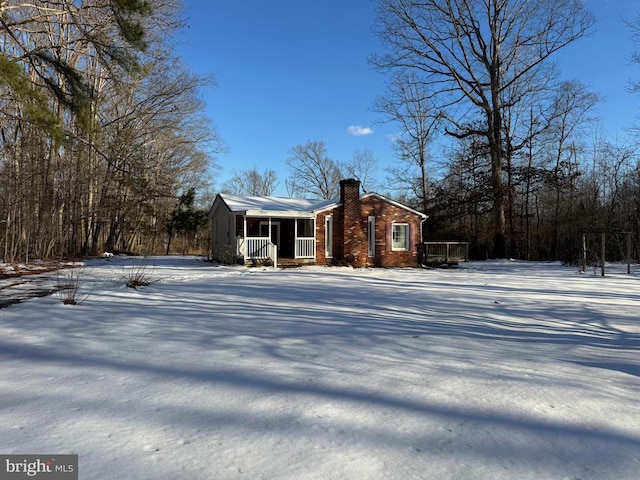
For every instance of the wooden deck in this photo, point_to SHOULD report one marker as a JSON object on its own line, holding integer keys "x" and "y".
{"x": 437, "y": 254}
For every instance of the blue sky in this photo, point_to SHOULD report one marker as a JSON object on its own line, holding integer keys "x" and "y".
{"x": 290, "y": 71}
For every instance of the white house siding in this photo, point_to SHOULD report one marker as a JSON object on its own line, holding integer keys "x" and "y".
{"x": 222, "y": 223}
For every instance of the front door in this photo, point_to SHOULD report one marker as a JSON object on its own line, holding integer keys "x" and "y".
{"x": 275, "y": 232}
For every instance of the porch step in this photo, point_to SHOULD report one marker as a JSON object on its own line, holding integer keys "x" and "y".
{"x": 290, "y": 263}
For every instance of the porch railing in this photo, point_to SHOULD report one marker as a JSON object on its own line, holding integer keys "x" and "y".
{"x": 445, "y": 252}
{"x": 257, "y": 248}
{"x": 305, "y": 247}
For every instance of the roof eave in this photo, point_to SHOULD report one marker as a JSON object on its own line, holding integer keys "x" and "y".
{"x": 397, "y": 204}
{"x": 277, "y": 213}
{"x": 327, "y": 207}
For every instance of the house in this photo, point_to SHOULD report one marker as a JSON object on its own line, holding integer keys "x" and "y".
{"x": 358, "y": 230}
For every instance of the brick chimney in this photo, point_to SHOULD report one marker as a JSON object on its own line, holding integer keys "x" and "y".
{"x": 349, "y": 191}
{"x": 354, "y": 238}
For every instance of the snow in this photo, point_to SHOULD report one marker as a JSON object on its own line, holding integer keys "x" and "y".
{"x": 495, "y": 370}
{"x": 237, "y": 203}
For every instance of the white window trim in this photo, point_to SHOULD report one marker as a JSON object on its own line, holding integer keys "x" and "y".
{"x": 328, "y": 236}
{"x": 406, "y": 240}
{"x": 371, "y": 236}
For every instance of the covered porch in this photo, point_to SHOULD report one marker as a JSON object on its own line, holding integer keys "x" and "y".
{"x": 275, "y": 238}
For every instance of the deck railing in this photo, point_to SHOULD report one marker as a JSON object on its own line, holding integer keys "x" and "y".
{"x": 445, "y": 252}
{"x": 305, "y": 247}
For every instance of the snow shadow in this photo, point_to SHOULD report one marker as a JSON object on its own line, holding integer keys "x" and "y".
{"x": 399, "y": 363}
{"x": 627, "y": 368}
{"x": 469, "y": 434}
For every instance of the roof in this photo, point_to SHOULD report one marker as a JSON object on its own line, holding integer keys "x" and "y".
{"x": 290, "y": 207}
{"x": 334, "y": 203}
{"x": 274, "y": 206}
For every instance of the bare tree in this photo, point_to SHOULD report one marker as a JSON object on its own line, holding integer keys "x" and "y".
{"x": 94, "y": 153}
{"x": 51, "y": 54}
{"x": 154, "y": 145}
{"x": 470, "y": 53}
{"x": 52, "y": 40}
{"x": 363, "y": 167}
{"x": 634, "y": 27}
{"x": 407, "y": 103}
{"x": 312, "y": 171}
{"x": 571, "y": 106}
{"x": 252, "y": 182}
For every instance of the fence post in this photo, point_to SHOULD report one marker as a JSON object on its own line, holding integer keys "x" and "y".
{"x": 603, "y": 250}
{"x": 628, "y": 253}
{"x": 583, "y": 259}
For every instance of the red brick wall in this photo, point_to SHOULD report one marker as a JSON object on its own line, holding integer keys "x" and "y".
{"x": 350, "y": 224}
{"x": 386, "y": 214}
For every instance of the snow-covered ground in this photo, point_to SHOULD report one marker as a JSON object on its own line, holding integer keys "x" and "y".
{"x": 495, "y": 370}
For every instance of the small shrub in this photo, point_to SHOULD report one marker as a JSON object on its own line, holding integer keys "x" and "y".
{"x": 267, "y": 262}
{"x": 68, "y": 284}
{"x": 137, "y": 276}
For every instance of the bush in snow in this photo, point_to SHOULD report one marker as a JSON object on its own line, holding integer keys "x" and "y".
{"x": 68, "y": 284}
{"x": 139, "y": 275}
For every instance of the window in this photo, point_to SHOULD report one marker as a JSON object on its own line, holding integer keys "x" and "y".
{"x": 305, "y": 227}
{"x": 400, "y": 236}
{"x": 328, "y": 236}
{"x": 371, "y": 232}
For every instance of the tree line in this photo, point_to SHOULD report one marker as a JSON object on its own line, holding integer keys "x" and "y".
{"x": 104, "y": 145}
{"x": 527, "y": 174}
{"x": 524, "y": 172}
{"x": 102, "y": 133}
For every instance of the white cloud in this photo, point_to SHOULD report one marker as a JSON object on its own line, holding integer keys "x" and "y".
{"x": 358, "y": 131}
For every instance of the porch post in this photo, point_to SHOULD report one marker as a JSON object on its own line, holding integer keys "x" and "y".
{"x": 275, "y": 253}
{"x": 295, "y": 238}
{"x": 244, "y": 236}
